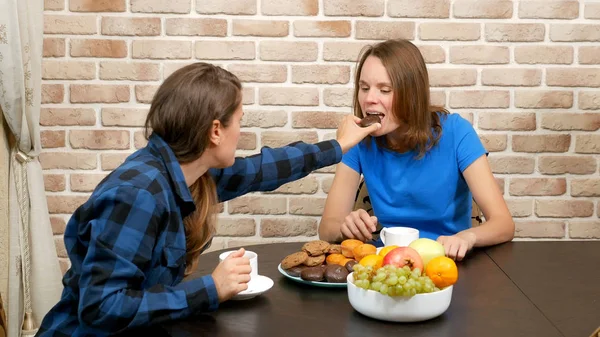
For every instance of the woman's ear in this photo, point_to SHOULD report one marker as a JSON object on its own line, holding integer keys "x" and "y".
{"x": 216, "y": 132}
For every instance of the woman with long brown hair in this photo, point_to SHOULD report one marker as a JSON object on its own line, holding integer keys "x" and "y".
{"x": 143, "y": 227}
{"x": 423, "y": 166}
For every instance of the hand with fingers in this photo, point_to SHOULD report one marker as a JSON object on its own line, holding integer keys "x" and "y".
{"x": 458, "y": 245}
{"x": 359, "y": 225}
{"x": 350, "y": 133}
{"x": 232, "y": 275}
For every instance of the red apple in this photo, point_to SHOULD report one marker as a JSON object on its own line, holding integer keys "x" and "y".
{"x": 404, "y": 256}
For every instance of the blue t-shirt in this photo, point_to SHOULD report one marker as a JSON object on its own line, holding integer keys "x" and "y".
{"x": 430, "y": 193}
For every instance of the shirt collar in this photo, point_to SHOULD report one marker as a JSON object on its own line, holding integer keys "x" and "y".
{"x": 156, "y": 143}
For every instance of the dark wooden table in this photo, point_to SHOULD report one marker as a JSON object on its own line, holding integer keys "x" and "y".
{"x": 562, "y": 279}
{"x": 517, "y": 289}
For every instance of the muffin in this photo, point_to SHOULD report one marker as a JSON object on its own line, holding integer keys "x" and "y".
{"x": 363, "y": 250}
{"x": 348, "y": 246}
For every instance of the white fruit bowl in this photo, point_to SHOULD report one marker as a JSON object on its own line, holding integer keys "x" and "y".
{"x": 416, "y": 308}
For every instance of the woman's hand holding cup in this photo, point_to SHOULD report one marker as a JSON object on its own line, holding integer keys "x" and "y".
{"x": 231, "y": 276}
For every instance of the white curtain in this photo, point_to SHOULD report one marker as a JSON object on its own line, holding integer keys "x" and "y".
{"x": 34, "y": 280}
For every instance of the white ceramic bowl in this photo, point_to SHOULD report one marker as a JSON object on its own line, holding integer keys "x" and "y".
{"x": 419, "y": 307}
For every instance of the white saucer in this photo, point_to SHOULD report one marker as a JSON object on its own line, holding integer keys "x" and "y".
{"x": 259, "y": 285}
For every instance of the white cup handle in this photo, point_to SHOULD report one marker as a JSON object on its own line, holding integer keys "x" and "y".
{"x": 382, "y": 236}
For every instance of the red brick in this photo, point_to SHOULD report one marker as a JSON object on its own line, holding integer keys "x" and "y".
{"x": 97, "y": 5}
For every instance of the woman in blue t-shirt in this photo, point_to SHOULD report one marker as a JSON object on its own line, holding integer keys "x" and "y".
{"x": 423, "y": 166}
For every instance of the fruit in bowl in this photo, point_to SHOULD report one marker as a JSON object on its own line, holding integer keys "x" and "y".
{"x": 419, "y": 307}
{"x": 427, "y": 249}
{"x": 400, "y": 290}
{"x": 403, "y": 256}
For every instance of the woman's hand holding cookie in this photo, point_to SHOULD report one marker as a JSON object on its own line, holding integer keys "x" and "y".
{"x": 232, "y": 275}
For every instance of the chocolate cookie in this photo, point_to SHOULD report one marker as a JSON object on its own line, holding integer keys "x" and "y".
{"x": 295, "y": 271}
{"x": 335, "y": 249}
{"x": 350, "y": 265}
{"x": 294, "y": 259}
{"x": 369, "y": 120}
{"x": 312, "y": 261}
{"x": 335, "y": 274}
{"x": 316, "y": 248}
{"x": 312, "y": 274}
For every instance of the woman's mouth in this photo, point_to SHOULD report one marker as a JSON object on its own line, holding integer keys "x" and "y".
{"x": 375, "y": 113}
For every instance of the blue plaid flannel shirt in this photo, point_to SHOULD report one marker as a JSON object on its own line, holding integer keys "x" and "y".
{"x": 127, "y": 245}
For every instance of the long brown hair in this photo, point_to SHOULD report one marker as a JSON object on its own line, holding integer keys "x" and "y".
{"x": 182, "y": 112}
{"x": 410, "y": 84}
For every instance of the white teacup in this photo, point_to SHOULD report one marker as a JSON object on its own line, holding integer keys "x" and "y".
{"x": 399, "y": 236}
{"x": 253, "y": 262}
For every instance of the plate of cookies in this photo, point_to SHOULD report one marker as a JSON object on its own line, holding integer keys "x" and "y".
{"x": 323, "y": 264}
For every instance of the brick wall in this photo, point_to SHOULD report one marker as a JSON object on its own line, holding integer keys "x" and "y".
{"x": 526, "y": 73}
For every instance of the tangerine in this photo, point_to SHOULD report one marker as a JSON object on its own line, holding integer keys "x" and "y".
{"x": 387, "y": 249}
{"x": 374, "y": 260}
{"x": 442, "y": 271}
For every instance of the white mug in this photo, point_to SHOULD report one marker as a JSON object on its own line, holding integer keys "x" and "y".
{"x": 398, "y": 236}
{"x": 253, "y": 262}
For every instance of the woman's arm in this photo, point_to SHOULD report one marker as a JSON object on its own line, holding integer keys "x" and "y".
{"x": 339, "y": 203}
{"x": 499, "y": 226}
{"x": 274, "y": 167}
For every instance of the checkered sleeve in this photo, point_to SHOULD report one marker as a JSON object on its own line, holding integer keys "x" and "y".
{"x": 123, "y": 236}
{"x": 274, "y": 167}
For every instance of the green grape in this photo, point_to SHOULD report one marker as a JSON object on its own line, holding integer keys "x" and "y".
{"x": 413, "y": 292}
{"x": 384, "y": 289}
{"x": 358, "y": 268}
{"x": 419, "y": 287}
{"x": 376, "y": 286}
{"x": 391, "y": 291}
{"x": 366, "y": 284}
{"x": 406, "y": 269}
{"x": 399, "y": 289}
{"x": 402, "y": 279}
{"x": 380, "y": 276}
{"x": 392, "y": 280}
{"x": 363, "y": 276}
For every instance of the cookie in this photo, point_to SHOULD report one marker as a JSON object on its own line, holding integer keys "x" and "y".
{"x": 335, "y": 249}
{"x": 369, "y": 120}
{"x": 294, "y": 259}
{"x": 316, "y": 248}
{"x": 312, "y": 274}
{"x": 295, "y": 271}
{"x": 312, "y": 261}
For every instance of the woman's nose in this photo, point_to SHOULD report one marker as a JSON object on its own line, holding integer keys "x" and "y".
{"x": 371, "y": 96}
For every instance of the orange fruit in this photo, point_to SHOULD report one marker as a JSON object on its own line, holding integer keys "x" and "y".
{"x": 374, "y": 260}
{"x": 363, "y": 250}
{"x": 442, "y": 271}
{"x": 386, "y": 250}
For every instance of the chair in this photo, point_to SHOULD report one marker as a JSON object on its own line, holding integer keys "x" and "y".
{"x": 362, "y": 201}
{"x": 3, "y": 324}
